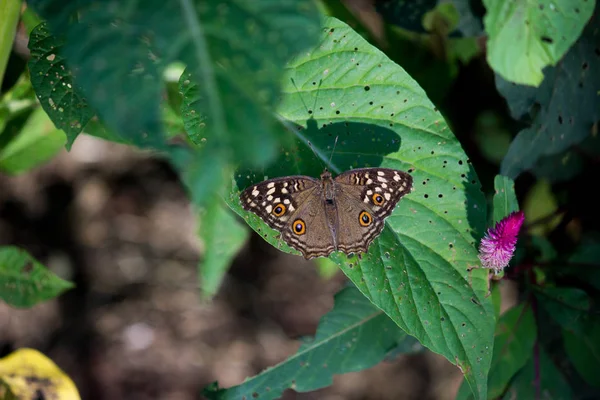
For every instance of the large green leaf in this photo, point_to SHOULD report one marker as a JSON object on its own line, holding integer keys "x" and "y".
{"x": 527, "y": 36}
{"x": 53, "y": 83}
{"x": 223, "y": 236}
{"x": 418, "y": 270}
{"x": 505, "y": 199}
{"x": 119, "y": 50}
{"x": 515, "y": 337}
{"x": 563, "y": 110}
{"x": 25, "y": 282}
{"x": 353, "y": 336}
{"x": 540, "y": 376}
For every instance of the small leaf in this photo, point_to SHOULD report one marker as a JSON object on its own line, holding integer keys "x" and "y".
{"x": 540, "y": 376}
{"x": 569, "y": 307}
{"x": 417, "y": 270}
{"x": 25, "y": 282}
{"x": 37, "y": 142}
{"x": 527, "y": 36}
{"x": 505, "y": 199}
{"x": 353, "y": 336}
{"x": 584, "y": 351}
{"x": 223, "y": 236}
{"x": 54, "y": 84}
{"x": 28, "y": 374}
{"x": 515, "y": 337}
{"x": 557, "y": 122}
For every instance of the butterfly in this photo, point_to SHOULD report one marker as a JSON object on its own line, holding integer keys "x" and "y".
{"x": 317, "y": 217}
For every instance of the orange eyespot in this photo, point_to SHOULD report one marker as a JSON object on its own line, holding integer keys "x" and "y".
{"x": 298, "y": 227}
{"x": 279, "y": 210}
{"x": 377, "y": 199}
{"x": 365, "y": 218}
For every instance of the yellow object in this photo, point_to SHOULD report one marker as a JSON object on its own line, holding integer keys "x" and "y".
{"x": 28, "y": 374}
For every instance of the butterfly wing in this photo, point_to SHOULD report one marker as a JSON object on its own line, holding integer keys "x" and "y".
{"x": 288, "y": 193}
{"x": 365, "y": 197}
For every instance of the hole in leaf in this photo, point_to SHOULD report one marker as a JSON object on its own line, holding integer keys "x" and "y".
{"x": 367, "y": 88}
{"x": 547, "y": 39}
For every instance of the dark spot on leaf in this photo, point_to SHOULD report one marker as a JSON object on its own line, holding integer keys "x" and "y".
{"x": 367, "y": 88}
{"x": 577, "y": 10}
{"x": 475, "y": 301}
{"x": 337, "y": 112}
{"x": 255, "y": 395}
{"x": 547, "y": 39}
{"x": 426, "y": 196}
{"x": 370, "y": 103}
{"x": 410, "y": 170}
{"x": 560, "y": 120}
{"x": 442, "y": 319}
{"x": 27, "y": 268}
{"x": 460, "y": 162}
{"x": 356, "y": 49}
{"x": 440, "y": 195}
{"x": 331, "y": 30}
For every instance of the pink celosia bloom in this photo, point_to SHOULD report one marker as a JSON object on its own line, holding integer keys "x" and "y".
{"x": 498, "y": 245}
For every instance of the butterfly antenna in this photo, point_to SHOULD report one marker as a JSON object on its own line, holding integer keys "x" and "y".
{"x": 334, "y": 144}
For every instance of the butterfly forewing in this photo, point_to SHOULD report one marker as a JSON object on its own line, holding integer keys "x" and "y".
{"x": 379, "y": 188}
{"x": 275, "y": 200}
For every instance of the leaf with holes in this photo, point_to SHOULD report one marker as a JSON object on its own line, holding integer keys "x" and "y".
{"x": 557, "y": 121}
{"x": 25, "y": 282}
{"x": 119, "y": 51}
{"x": 505, "y": 199}
{"x": 515, "y": 337}
{"x": 527, "y": 36}
{"x": 419, "y": 269}
{"x": 353, "y": 336}
{"x": 53, "y": 83}
{"x": 540, "y": 373}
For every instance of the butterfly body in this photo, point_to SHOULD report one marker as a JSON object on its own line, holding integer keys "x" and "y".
{"x": 320, "y": 216}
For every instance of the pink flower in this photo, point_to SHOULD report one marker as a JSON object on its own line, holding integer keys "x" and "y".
{"x": 498, "y": 245}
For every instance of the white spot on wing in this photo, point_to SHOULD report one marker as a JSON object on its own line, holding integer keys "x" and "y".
{"x": 380, "y": 179}
{"x": 269, "y": 208}
{"x": 255, "y": 193}
{"x": 378, "y": 189}
{"x": 291, "y": 208}
{"x": 387, "y": 196}
{"x": 270, "y": 185}
{"x": 284, "y": 191}
{"x": 380, "y": 173}
{"x": 277, "y": 200}
{"x": 269, "y": 197}
{"x": 369, "y": 192}
{"x": 397, "y": 177}
{"x": 369, "y": 181}
{"x": 271, "y": 191}
{"x": 366, "y": 200}
{"x": 383, "y": 185}
{"x": 286, "y": 201}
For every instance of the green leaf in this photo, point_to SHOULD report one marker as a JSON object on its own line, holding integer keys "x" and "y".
{"x": 527, "y": 36}
{"x": 353, "y": 336}
{"x": 54, "y": 85}
{"x": 559, "y": 167}
{"x": 37, "y": 142}
{"x": 557, "y": 121}
{"x": 584, "y": 351}
{"x": 237, "y": 49}
{"x": 25, "y": 282}
{"x": 223, "y": 236}
{"x": 569, "y": 307}
{"x": 515, "y": 337}
{"x": 543, "y": 373}
{"x": 417, "y": 270}
{"x": 505, "y": 199}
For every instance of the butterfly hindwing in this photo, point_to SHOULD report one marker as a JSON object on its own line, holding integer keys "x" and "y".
{"x": 276, "y": 200}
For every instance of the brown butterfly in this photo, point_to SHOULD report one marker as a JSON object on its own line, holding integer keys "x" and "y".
{"x": 318, "y": 217}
